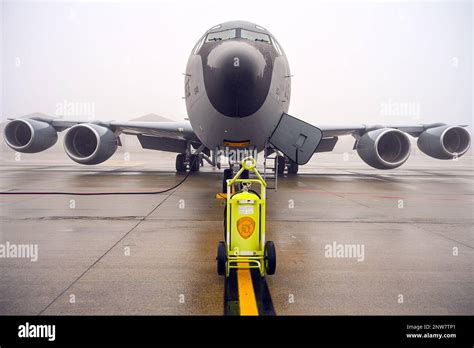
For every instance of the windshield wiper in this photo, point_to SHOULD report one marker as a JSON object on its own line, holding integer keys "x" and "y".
{"x": 215, "y": 39}
{"x": 262, "y": 40}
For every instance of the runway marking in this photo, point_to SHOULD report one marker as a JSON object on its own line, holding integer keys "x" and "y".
{"x": 246, "y": 293}
{"x": 248, "y": 303}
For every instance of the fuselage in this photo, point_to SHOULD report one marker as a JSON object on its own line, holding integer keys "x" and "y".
{"x": 237, "y": 86}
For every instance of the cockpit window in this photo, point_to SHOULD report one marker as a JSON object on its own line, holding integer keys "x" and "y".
{"x": 199, "y": 44}
{"x": 277, "y": 46}
{"x": 221, "y": 35}
{"x": 254, "y": 36}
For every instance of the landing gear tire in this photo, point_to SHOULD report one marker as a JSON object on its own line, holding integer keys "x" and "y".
{"x": 293, "y": 168}
{"x": 270, "y": 258}
{"x": 281, "y": 164}
{"x": 221, "y": 258}
{"x": 227, "y": 175}
{"x": 194, "y": 163}
{"x": 180, "y": 165}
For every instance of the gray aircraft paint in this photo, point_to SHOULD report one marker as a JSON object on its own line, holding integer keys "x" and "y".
{"x": 212, "y": 127}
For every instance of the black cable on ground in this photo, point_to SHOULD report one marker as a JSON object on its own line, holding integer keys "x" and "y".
{"x": 100, "y": 193}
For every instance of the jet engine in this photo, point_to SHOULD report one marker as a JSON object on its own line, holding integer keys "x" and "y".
{"x": 384, "y": 148}
{"x": 29, "y": 136}
{"x": 444, "y": 142}
{"x": 88, "y": 143}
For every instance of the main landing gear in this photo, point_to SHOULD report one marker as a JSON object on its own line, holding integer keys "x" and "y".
{"x": 284, "y": 163}
{"x": 194, "y": 162}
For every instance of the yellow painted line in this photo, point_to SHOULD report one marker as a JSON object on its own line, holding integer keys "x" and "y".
{"x": 247, "y": 301}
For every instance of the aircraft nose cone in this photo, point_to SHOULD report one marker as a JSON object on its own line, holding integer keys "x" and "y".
{"x": 237, "y": 77}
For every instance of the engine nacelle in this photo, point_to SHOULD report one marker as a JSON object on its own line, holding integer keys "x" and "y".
{"x": 29, "y": 136}
{"x": 88, "y": 143}
{"x": 384, "y": 148}
{"x": 445, "y": 142}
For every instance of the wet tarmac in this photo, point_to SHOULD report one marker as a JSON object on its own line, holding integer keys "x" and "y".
{"x": 350, "y": 239}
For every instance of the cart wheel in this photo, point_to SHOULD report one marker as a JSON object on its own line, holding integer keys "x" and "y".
{"x": 270, "y": 257}
{"x": 221, "y": 258}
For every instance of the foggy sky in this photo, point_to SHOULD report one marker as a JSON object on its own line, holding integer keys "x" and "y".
{"x": 363, "y": 62}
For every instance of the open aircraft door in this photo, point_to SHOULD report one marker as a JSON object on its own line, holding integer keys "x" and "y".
{"x": 296, "y": 139}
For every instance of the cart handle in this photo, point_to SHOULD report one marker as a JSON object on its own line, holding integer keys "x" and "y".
{"x": 249, "y": 163}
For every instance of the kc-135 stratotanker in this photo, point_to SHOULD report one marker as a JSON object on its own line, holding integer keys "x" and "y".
{"x": 237, "y": 92}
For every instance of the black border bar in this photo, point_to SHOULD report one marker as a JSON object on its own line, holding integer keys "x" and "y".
{"x": 194, "y": 330}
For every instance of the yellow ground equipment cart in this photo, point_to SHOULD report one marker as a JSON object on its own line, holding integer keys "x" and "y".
{"x": 245, "y": 245}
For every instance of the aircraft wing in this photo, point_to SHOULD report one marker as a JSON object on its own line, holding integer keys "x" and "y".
{"x": 381, "y": 146}
{"x": 299, "y": 140}
{"x": 93, "y": 142}
{"x": 359, "y": 129}
{"x": 172, "y": 130}
{"x": 163, "y": 136}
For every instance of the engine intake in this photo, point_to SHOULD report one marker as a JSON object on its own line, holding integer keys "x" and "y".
{"x": 88, "y": 143}
{"x": 384, "y": 148}
{"x": 29, "y": 136}
{"x": 444, "y": 142}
